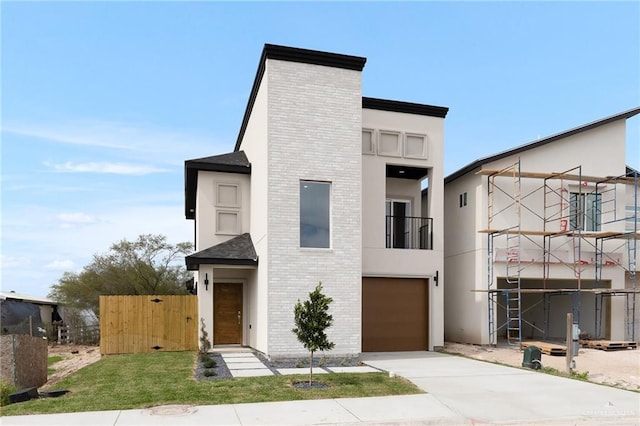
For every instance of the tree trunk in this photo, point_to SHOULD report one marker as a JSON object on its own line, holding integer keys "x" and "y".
{"x": 310, "y": 367}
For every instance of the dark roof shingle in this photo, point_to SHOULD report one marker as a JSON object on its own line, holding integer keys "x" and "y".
{"x": 236, "y": 251}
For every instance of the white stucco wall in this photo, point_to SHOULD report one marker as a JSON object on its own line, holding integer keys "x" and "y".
{"x": 314, "y": 129}
{"x": 377, "y": 260}
{"x": 255, "y": 146}
{"x": 207, "y": 207}
{"x": 465, "y": 262}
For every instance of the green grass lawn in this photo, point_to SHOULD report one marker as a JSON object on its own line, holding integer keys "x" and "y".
{"x": 144, "y": 380}
{"x": 52, "y": 360}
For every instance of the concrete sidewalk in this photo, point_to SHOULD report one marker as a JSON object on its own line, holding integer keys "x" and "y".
{"x": 422, "y": 408}
{"x": 461, "y": 391}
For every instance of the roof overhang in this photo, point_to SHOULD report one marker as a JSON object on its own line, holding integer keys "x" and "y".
{"x": 406, "y": 172}
{"x": 405, "y": 107}
{"x": 238, "y": 251}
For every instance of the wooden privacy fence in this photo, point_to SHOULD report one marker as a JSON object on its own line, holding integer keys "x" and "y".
{"x": 134, "y": 324}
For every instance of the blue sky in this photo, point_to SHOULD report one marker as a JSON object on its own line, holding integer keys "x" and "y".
{"x": 103, "y": 102}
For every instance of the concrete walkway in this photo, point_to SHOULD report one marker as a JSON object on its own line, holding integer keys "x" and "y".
{"x": 461, "y": 392}
{"x": 246, "y": 364}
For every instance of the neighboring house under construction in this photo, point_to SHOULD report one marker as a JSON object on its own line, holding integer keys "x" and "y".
{"x": 542, "y": 230}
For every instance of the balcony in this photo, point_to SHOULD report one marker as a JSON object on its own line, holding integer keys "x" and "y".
{"x": 406, "y": 232}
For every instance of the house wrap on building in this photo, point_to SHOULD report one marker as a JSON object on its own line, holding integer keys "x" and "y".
{"x": 543, "y": 230}
{"x": 324, "y": 185}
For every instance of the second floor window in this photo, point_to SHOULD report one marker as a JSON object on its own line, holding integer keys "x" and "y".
{"x": 585, "y": 211}
{"x": 315, "y": 214}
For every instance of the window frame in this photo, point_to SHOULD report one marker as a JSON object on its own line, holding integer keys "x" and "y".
{"x": 398, "y": 150}
{"x": 425, "y": 150}
{"x": 373, "y": 142}
{"x": 329, "y": 212}
{"x": 579, "y": 213}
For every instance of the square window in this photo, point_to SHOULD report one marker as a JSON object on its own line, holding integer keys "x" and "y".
{"x": 227, "y": 223}
{"x": 227, "y": 194}
{"x": 315, "y": 214}
{"x": 415, "y": 146}
{"x": 389, "y": 144}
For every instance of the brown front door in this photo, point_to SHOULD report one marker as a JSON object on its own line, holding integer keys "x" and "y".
{"x": 227, "y": 314}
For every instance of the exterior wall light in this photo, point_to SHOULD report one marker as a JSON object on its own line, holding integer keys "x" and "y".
{"x": 206, "y": 281}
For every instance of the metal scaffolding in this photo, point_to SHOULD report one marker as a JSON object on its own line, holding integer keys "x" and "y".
{"x": 580, "y": 221}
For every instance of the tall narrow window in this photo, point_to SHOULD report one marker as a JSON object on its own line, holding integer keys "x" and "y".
{"x": 585, "y": 211}
{"x": 463, "y": 199}
{"x": 315, "y": 214}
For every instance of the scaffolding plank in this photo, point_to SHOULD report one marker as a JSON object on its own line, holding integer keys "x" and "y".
{"x": 547, "y": 348}
{"x": 618, "y": 235}
{"x": 560, "y": 175}
{"x": 608, "y": 345}
{"x": 611, "y": 291}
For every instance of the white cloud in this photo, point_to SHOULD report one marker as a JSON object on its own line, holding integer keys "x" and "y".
{"x": 60, "y": 265}
{"x": 14, "y": 262}
{"x": 76, "y": 218}
{"x": 108, "y": 168}
{"x": 135, "y": 140}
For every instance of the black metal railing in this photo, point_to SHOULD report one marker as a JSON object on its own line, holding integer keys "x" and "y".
{"x": 406, "y": 232}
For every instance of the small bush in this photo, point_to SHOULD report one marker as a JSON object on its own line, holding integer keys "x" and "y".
{"x": 209, "y": 363}
{"x": 5, "y": 390}
{"x": 203, "y": 357}
{"x": 209, "y": 373}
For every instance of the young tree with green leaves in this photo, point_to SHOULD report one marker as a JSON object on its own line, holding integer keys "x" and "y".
{"x": 312, "y": 318}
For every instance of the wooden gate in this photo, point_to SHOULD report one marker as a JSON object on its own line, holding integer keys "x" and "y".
{"x": 133, "y": 324}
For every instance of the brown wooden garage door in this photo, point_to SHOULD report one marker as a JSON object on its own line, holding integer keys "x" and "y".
{"x": 395, "y": 314}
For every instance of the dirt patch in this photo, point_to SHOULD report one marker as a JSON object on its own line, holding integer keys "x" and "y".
{"x": 74, "y": 357}
{"x": 620, "y": 368}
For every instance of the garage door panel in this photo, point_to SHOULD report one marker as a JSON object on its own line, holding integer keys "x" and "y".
{"x": 394, "y": 314}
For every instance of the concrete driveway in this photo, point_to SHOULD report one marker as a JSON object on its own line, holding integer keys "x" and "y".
{"x": 489, "y": 393}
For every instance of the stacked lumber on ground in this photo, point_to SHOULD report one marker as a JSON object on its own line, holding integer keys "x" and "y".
{"x": 608, "y": 345}
{"x": 547, "y": 348}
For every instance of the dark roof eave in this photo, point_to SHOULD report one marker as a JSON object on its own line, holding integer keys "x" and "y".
{"x": 406, "y": 107}
{"x": 194, "y": 263}
{"x": 589, "y": 126}
{"x": 293, "y": 54}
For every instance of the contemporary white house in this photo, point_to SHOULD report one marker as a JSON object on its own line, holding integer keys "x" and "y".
{"x": 324, "y": 185}
{"x": 542, "y": 230}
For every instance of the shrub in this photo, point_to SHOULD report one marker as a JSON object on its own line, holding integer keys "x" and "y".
{"x": 209, "y": 373}
{"x": 209, "y": 363}
{"x": 5, "y": 390}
